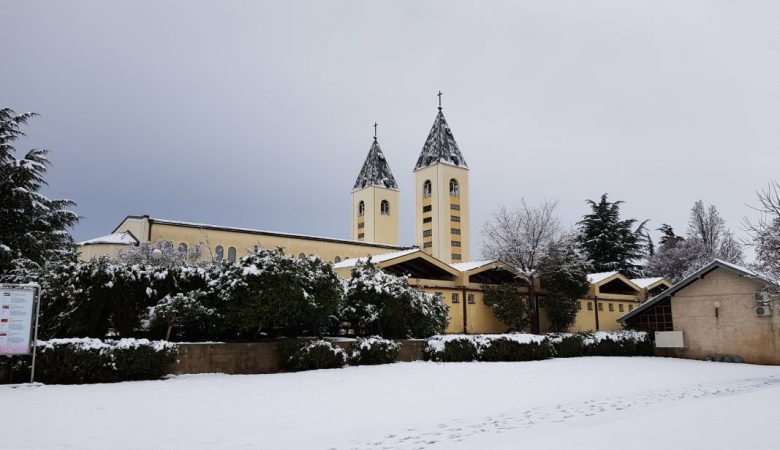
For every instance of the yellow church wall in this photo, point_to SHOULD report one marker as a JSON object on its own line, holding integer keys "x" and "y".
{"x": 440, "y": 200}
{"x": 243, "y": 241}
{"x": 377, "y": 227}
{"x": 87, "y": 252}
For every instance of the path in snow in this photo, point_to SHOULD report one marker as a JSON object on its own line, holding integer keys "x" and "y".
{"x": 459, "y": 430}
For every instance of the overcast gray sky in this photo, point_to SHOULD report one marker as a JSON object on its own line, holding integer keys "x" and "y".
{"x": 259, "y": 114}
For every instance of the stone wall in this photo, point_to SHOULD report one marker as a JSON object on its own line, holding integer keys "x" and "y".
{"x": 255, "y": 357}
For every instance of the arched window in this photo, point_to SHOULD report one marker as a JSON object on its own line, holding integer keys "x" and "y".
{"x": 220, "y": 253}
{"x": 232, "y": 254}
{"x": 337, "y": 259}
{"x": 361, "y": 208}
{"x": 427, "y": 189}
{"x": 183, "y": 248}
{"x": 385, "y": 207}
{"x": 301, "y": 256}
{"x": 454, "y": 188}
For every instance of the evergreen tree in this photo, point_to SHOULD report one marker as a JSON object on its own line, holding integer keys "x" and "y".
{"x": 33, "y": 228}
{"x": 565, "y": 278}
{"x": 609, "y": 242}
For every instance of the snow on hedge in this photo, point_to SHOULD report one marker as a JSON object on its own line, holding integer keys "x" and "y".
{"x": 86, "y": 344}
{"x": 481, "y": 341}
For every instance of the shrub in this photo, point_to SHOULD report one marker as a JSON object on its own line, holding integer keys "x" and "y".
{"x": 85, "y": 360}
{"x": 569, "y": 345}
{"x": 269, "y": 292}
{"x": 507, "y": 349}
{"x": 373, "y": 350}
{"x": 378, "y": 303}
{"x": 621, "y": 343}
{"x": 452, "y": 349}
{"x": 295, "y": 356}
{"x": 509, "y": 304}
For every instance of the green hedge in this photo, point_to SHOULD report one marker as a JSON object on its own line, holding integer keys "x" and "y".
{"x": 373, "y": 350}
{"x": 299, "y": 355}
{"x": 525, "y": 347}
{"x": 87, "y": 360}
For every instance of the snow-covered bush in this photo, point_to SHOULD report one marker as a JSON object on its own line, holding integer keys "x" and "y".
{"x": 181, "y": 310}
{"x": 378, "y": 303}
{"x": 268, "y": 292}
{"x": 508, "y": 349}
{"x": 373, "y": 350}
{"x": 88, "y": 360}
{"x": 603, "y": 343}
{"x": 295, "y": 356}
{"x": 456, "y": 348}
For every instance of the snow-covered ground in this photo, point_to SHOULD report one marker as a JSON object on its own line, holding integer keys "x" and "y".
{"x": 600, "y": 403}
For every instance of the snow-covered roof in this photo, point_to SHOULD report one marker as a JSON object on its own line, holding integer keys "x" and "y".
{"x": 440, "y": 146}
{"x": 594, "y": 278}
{"x": 121, "y": 238}
{"x": 469, "y": 265}
{"x": 206, "y": 226}
{"x": 645, "y": 282}
{"x": 376, "y": 171}
{"x": 374, "y": 258}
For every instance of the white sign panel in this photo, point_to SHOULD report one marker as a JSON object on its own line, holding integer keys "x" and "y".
{"x": 17, "y": 307}
{"x": 669, "y": 339}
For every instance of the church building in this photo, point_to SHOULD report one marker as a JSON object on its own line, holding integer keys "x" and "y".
{"x": 438, "y": 261}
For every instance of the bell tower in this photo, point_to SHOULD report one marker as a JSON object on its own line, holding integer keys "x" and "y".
{"x": 441, "y": 179}
{"x": 375, "y": 200}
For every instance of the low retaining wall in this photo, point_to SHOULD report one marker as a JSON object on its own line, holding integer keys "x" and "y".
{"x": 256, "y": 357}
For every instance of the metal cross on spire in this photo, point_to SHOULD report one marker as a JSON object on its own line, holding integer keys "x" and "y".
{"x": 439, "y": 95}
{"x": 375, "y": 125}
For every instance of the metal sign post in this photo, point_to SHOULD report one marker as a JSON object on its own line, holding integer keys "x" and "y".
{"x": 20, "y": 306}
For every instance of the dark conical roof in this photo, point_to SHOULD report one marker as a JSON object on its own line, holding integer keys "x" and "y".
{"x": 440, "y": 146}
{"x": 375, "y": 171}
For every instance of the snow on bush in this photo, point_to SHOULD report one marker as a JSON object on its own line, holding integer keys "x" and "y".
{"x": 378, "y": 303}
{"x": 373, "y": 350}
{"x": 523, "y": 346}
{"x": 295, "y": 356}
{"x": 89, "y": 360}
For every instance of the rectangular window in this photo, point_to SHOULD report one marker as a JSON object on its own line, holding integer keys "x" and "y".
{"x": 427, "y": 244}
{"x": 455, "y": 243}
{"x": 611, "y": 307}
{"x": 454, "y": 207}
{"x": 361, "y": 235}
{"x": 601, "y": 307}
{"x": 427, "y": 233}
{"x": 630, "y": 307}
{"x": 455, "y": 230}
{"x": 471, "y": 298}
{"x": 455, "y": 218}
{"x": 579, "y": 306}
{"x": 427, "y": 219}
{"x": 361, "y": 225}
{"x": 620, "y": 307}
{"x": 427, "y": 208}
{"x": 590, "y": 306}
{"x": 456, "y": 256}
{"x": 455, "y": 298}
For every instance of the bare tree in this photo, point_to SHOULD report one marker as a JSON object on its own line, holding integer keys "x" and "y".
{"x": 765, "y": 232}
{"x": 521, "y": 237}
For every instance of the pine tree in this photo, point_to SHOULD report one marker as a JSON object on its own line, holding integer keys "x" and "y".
{"x": 565, "y": 278}
{"x": 609, "y": 242}
{"x": 33, "y": 228}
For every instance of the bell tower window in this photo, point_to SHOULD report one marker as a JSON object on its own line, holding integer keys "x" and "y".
{"x": 454, "y": 188}
{"x": 384, "y": 207}
{"x": 362, "y": 208}
{"x": 427, "y": 189}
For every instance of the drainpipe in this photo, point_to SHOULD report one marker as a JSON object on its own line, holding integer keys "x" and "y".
{"x": 596, "y": 309}
{"x": 465, "y": 313}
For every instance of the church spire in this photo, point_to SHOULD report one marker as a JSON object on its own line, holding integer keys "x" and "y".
{"x": 440, "y": 147}
{"x": 376, "y": 171}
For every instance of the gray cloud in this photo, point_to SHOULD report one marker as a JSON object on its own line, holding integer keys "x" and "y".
{"x": 260, "y": 114}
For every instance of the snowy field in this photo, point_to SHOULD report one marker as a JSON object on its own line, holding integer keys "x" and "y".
{"x": 599, "y": 403}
